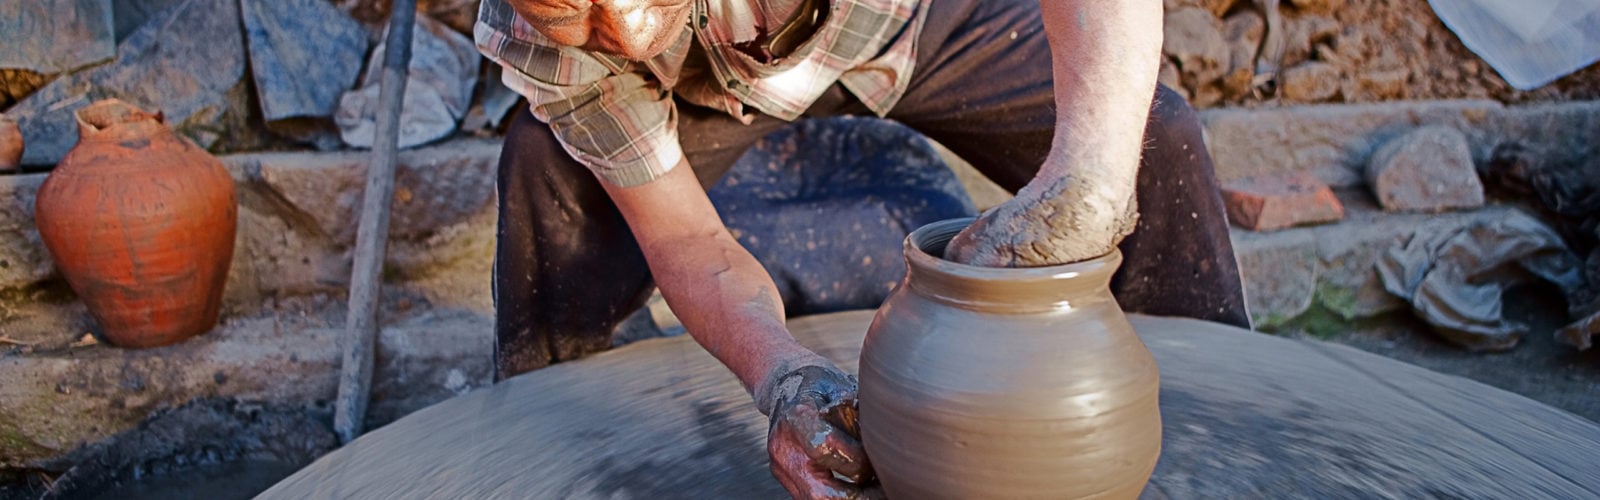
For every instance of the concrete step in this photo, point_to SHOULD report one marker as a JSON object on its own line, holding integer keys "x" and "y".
{"x": 1334, "y": 142}
{"x": 1290, "y": 272}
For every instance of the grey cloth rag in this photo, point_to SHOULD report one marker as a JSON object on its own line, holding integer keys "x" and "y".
{"x": 1455, "y": 280}
{"x": 443, "y": 72}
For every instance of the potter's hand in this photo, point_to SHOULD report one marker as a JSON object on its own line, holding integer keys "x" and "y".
{"x": 813, "y": 439}
{"x": 1051, "y": 221}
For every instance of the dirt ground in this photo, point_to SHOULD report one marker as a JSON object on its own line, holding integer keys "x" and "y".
{"x": 1539, "y": 367}
{"x": 1339, "y": 51}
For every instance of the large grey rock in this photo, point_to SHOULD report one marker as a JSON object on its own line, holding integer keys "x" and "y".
{"x": 1429, "y": 169}
{"x": 184, "y": 63}
{"x": 303, "y": 55}
{"x": 443, "y": 72}
{"x": 54, "y": 402}
{"x": 52, "y": 36}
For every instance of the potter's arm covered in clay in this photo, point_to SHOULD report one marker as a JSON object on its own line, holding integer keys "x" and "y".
{"x": 730, "y": 305}
{"x": 1105, "y": 57}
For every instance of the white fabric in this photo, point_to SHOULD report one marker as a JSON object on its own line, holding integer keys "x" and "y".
{"x": 1530, "y": 42}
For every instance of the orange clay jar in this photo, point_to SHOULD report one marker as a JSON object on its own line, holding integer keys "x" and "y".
{"x": 1009, "y": 383}
{"x": 141, "y": 222}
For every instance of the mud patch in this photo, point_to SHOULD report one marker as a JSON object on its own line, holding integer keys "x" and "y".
{"x": 207, "y": 449}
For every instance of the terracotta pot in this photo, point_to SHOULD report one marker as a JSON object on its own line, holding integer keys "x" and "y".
{"x": 984, "y": 382}
{"x": 10, "y": 145}
{"x": 141, "y": 222}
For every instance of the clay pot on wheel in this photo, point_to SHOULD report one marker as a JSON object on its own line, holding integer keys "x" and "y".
{"x": 141, "y": 222}
{"x": 10, "y": 145}
{"x": 984, "y": 382}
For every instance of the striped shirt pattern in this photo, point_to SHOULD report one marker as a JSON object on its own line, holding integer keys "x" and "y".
{"x": 619, "y": 117}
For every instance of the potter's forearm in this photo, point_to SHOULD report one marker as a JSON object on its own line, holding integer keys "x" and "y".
{"x": 729, "y": 304}
{"x": 723, "y": 296}
{"x": 1105, "y": 57}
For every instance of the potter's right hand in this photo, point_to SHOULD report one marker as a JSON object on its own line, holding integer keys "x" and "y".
{"x": 813, "y": 439}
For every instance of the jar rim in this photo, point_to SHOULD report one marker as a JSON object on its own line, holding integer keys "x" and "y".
{"x": 1001, "y": 288}
{"x": 924, "y": 248}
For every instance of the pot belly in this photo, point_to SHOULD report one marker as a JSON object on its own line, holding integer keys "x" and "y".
{"x": 986, "y": 406}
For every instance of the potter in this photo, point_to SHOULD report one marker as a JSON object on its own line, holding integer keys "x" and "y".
{"x": 637, "y": 107}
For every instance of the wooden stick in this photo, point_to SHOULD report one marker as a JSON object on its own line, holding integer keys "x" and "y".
{"x": 361, "y": 324}
{"x": 1269, "y": 62}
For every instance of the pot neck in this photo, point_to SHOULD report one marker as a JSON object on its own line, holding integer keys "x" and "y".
{"x": 114, "y": 120}
{"x": 997, "y": 288}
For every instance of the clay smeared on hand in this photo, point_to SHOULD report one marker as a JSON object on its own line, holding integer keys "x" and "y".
{"x": 1051, "y": 221}
{"x": 813, "y": 440}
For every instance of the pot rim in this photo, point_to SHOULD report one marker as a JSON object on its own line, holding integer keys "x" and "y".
{"x": 938, "y": 234}
{"x": 105, "y": 117}
{"x": 1001, "y": 289}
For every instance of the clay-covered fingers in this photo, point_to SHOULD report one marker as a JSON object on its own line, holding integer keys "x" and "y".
{"x": 841, "y": 451}
{"x": 802, "y": 468}
{"x": 812, "y": 440}
{"x": 824, "y": 425}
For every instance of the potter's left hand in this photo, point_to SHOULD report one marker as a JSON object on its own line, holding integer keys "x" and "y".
{"x": 1068, "y": 220}
{"x": 813, "y": 438}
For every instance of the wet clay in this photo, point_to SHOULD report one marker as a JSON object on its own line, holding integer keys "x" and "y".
{"x": 211, "y": 448}
{"x": 981, "y": 382}
{"x": 1050, "y": 222}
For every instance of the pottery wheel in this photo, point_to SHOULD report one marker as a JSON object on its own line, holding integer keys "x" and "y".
{"x": 1245, "y": 415}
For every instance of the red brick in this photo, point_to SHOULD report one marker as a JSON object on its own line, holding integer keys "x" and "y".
{"x": 1273, "y": 202}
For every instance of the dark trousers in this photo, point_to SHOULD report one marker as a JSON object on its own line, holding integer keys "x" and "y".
{"x": 567, "y": 269}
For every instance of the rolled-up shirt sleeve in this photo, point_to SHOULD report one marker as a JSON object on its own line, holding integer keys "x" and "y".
{"x": 622, "y": 125}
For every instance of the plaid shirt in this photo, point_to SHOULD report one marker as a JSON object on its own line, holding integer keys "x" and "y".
{"x": 619, "y": 118}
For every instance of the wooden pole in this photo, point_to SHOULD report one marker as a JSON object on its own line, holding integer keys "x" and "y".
{"x": 361, "y": 323}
